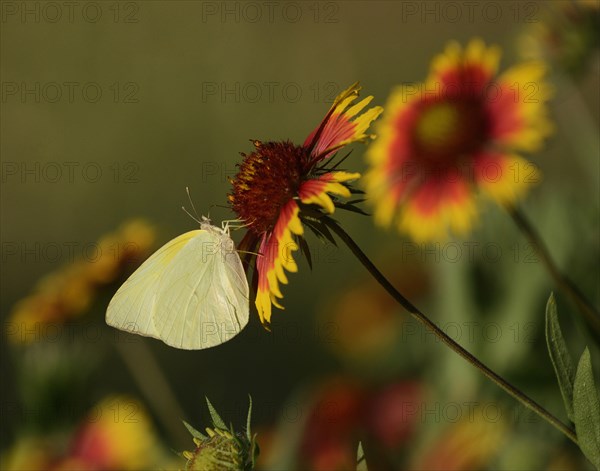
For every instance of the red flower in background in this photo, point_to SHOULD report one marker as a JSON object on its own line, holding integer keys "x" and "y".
{"x": 344, "y": 412}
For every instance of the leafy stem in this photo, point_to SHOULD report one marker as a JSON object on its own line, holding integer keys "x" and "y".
{"x": 566, "y": 285}
{"x": 440, "y": 334}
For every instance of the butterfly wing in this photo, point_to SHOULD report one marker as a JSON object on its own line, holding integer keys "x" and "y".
{"x": 131, "y": 308}
{"x": 203, "y": 297}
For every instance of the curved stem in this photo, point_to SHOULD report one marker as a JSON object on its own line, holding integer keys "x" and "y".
{"x": 591, "y": 314}
{"x": 440, "y": 334}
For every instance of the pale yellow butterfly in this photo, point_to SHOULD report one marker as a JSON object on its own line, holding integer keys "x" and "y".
{"x": 192, "y": 293}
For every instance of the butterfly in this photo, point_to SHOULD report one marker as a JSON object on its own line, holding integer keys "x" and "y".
{"x": 192, "y": 293}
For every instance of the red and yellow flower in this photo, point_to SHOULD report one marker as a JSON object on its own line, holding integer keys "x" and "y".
{"x": 278, "y": 179}
{"x": 460, "y": 131}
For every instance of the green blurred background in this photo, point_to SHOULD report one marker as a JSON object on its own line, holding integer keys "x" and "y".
{"x": 184, "y": 86}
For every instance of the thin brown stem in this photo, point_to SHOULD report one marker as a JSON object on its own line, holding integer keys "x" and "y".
{"x": 563, "y": 282}
{"x": 440, "y": 334}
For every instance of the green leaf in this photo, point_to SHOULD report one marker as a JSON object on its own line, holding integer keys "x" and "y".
{"x": 561, "y": 360}
{"x": 586, "y": 408}
{"x": 361, "y": 462}
{"x": 320, "y": 230}
{"x": 305, "y": 249}
{"x": 216, "y": 418}
{"x": 194, "y": 432}
{"x": 351, "y": 207}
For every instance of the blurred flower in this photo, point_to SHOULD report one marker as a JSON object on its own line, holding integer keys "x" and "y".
{"x": 369, "y": 340}
{"x": 391, "y": 414}
{"x": 279, "y": 179}
{"x": 459, "y": 131}
{"x": 360, "y": 336}
{"x": 330, "y": 433}
{"x": 470, "y": 444}
{"x": 222, "y": 448}
{"x": 567, "y": 34}
{"x": 343, "y": 410}
{"x": 68, "y": 292}
{"x": 116, "y": 435}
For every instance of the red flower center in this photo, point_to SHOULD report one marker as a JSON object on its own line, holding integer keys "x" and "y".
{"x": 446, "y": 130}
{"x": 267, "y": 179}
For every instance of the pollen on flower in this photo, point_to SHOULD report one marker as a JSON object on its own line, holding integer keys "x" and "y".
{"x": 267, "y": 179}
{"x": 448, "y": 129}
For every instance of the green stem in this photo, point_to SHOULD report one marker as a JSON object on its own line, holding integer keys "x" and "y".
{"x": 590, "y": 313}
{"x": 148, "y": 375}
{"x": 440, "y": 334}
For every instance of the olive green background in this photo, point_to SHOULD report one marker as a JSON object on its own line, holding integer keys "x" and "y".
{"x": 175, "y": 122}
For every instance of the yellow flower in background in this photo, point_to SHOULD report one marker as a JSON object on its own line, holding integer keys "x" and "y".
{"x": 278, "y": 178}
{"x": 70, "y": 291}
{"x": 369, "y": 340}
{"x": 469, "y": 444}
{"x": 459, "y": 133}
{"x": 117, "y": 434}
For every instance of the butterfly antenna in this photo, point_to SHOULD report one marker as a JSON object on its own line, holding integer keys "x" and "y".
{"x": 188, "y": 213}
{"x": 187, "y": 190}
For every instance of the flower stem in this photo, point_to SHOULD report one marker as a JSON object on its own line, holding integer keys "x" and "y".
{"x": 440, "y": 334}
{"x": 154, "y": 385}
{"x": 590, "y": 313}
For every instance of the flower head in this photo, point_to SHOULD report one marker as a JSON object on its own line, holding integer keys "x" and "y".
{"x": 280, "y": 183}
{"x": 460, "y": 131}
{"x": 117, "y": 434}
{"x": 222, "y": 448}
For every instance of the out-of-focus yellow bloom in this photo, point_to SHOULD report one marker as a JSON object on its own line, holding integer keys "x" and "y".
{"x": 67, "y": 293}
{"x": 116, "y": 435}
{"x": 363, "y": 325}
{"x": 458, "y": 134}
{"x": 470, "y": 444}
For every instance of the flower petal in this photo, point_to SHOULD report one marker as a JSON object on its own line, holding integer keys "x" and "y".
{"x": 504, "y": 177}
{"x": 437, "y": 204}
{"x": 316, "y": 191}
{"x": 458, "y": 72}
{"x": 520, "y": 116}
{"x": 338, "y": 129}
{"x": 276, "y": 249}
{"x": 393, "y": 163}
